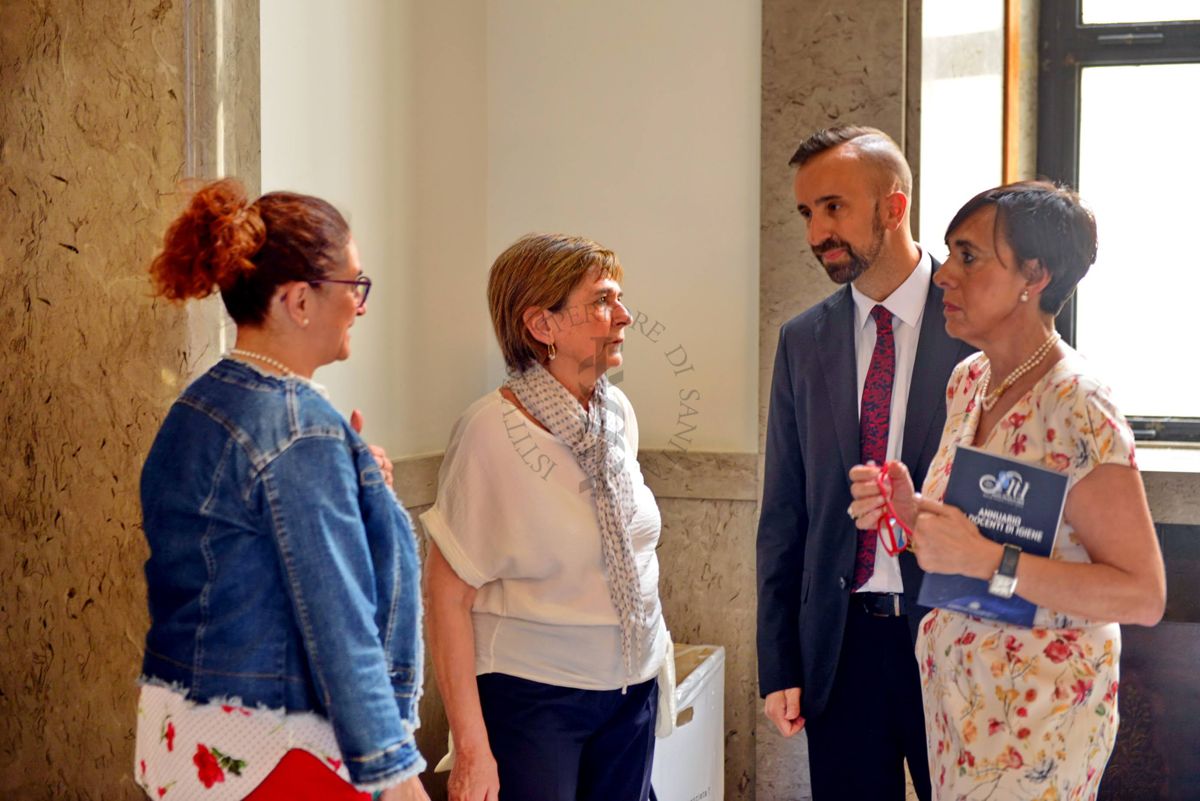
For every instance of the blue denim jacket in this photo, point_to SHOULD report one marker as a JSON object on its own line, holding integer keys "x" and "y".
{"x": 283, "y": 572}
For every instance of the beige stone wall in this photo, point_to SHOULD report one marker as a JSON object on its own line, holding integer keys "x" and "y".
{"x": 706, "y": 559}
{"x": 90, "y": 150}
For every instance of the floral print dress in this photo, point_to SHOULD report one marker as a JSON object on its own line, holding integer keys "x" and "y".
{"x": 1015, "y": 713}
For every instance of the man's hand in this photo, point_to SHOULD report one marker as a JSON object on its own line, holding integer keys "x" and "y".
{"x": 867, "y": 507}
{"x": 381, "y": 457}
{"x": 783, "y": 709}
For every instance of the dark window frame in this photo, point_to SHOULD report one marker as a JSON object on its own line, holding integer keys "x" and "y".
{"x": 1065, "y": 47}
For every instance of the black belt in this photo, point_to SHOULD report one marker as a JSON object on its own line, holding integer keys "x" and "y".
{"x": 880, "y": 604}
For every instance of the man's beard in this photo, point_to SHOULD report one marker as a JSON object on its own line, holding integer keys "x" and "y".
{"x": 855, "y": 263}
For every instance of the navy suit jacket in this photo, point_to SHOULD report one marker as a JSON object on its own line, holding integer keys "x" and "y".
{"x": 806, "y": 541}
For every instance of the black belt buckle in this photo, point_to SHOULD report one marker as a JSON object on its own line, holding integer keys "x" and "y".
{"x": 881, "y": 604}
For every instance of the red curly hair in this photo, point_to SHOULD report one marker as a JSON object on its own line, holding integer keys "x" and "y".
{"x": 222, "y": 242}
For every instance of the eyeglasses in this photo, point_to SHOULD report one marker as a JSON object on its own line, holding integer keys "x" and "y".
{"x": 362, "y": 286}
{"x": 892, "y": 532}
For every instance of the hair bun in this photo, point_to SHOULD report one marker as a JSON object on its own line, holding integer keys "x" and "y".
{"x": 211, "y": 244}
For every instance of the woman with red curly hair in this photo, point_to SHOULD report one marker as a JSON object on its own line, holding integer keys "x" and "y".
{"x": 284, "y": 656}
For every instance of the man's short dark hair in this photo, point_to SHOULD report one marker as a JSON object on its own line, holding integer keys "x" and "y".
{"x": 871, "y": 144}
{"x": 1045, "y": 222}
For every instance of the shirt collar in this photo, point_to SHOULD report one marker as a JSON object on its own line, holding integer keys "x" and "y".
{"x": 906, "y": 303}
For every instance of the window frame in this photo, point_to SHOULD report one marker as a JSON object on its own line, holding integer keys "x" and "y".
{"x": 1065, "y": 47}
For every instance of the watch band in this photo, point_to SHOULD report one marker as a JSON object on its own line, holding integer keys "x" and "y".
{"x": 1008, "y": 562}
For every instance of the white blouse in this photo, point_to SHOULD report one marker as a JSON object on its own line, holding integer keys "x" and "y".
{"x": 515, "y": 519}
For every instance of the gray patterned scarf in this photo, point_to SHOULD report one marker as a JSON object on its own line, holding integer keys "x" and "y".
{"x": 600, "y": 452}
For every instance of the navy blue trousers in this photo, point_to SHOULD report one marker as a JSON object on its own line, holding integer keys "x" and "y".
{"x": 874, "y": 721}
{"x": 561, "y": 744}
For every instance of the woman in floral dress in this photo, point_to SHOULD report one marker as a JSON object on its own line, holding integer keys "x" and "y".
{"x": 1015, "y": 713}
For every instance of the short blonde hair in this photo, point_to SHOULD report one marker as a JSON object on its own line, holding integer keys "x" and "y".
{"x": 540, "y": 270}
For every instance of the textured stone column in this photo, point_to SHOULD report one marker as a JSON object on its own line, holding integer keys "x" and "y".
{"x": 825, "y": 62}
{"x": 92, "y": 146}
{"x": 92, "y": 153}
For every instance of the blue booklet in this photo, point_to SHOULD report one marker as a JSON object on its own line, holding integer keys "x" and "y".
{"x": 1010, "y": 501}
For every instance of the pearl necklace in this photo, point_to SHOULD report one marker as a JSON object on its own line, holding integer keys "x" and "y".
{"x": 249, "y": 354}
{"x": 989, "y": 400}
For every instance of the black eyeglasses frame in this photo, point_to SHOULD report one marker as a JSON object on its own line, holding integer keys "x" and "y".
{"x": 362, "y": 281}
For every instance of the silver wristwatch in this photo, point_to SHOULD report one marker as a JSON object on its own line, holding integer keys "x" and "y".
{"x": 1004, "y": 580}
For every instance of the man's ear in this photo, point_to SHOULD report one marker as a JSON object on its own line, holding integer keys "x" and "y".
{"x": 296, "y": 299}
{"x": 895, "y": 206}
{"x": 537, "y": 321}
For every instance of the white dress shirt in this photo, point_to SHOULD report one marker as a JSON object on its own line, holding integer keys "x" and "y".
{"x": 907, "y": 305}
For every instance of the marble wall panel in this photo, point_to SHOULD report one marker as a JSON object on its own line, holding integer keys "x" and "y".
{"x": 1174, "y": 497}
{"x": 708, "y": 476}
{"x": 1028, "y": 14}
{"x": 416, "y": 480}
{"x": 222, "y": 97}
{"x": 912, "y": 101}
{"x": 706, "y": 559}
{"x": 90, "y": 149}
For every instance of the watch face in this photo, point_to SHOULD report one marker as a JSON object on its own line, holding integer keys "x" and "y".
{"x": 1002, "y": 586}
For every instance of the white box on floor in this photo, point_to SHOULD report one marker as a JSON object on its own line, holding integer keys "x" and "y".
{"x": 689, "y": 765}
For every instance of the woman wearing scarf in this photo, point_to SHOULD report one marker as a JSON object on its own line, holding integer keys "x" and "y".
{"x": 542, "y": 579}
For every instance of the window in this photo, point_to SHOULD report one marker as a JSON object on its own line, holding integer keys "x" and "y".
{"x": 1117, "y": 118}
{"x": 962, "y": 78}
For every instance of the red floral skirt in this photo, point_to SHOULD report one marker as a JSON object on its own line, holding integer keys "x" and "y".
{"x": 221, "y": 752}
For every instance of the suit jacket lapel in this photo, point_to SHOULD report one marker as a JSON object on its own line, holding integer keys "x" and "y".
{"x": 835, "y": 345}
{"x": 937, "y": 354}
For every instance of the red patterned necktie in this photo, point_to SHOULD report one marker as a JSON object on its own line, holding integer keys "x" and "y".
{"x": 873, "y": 426}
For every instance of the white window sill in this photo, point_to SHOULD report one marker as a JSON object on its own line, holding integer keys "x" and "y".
{"x": 1168, "y": 458}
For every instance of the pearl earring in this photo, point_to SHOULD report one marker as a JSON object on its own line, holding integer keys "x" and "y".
{"x": 305, "y": 323}
{"x": 1024, "y": 295}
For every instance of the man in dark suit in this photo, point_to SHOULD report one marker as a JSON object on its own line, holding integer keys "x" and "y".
{"x": 859, "y": 377}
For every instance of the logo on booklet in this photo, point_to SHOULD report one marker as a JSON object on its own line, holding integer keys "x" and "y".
{"x": 1007, "y": 486}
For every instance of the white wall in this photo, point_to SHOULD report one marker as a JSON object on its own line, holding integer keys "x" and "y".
{"x": 379, "y": 108}
{"x": 445, "y": 130}
{"x": 637, "y": 124}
